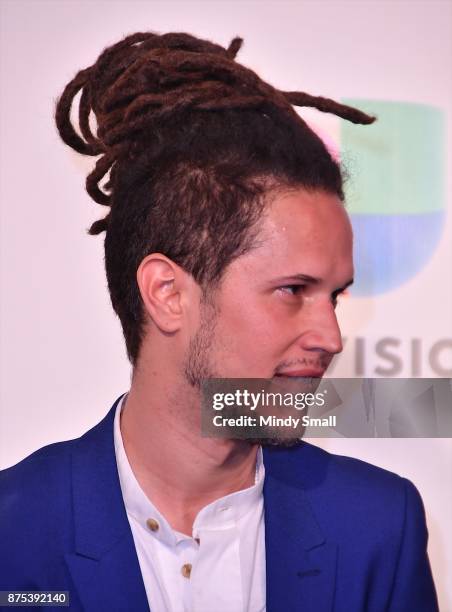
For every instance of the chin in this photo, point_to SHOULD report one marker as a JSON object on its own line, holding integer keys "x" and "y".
{"x": 275, "y": 442}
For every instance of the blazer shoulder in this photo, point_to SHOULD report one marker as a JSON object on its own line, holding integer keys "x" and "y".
{"x": 37, "y": 501}
{"x": 39, "y": 479}
{"x": 35, "y": 516}
{"x": 308, "y": 464}
{"x": 349, "y": 485}
{"x": 46, "y": 471}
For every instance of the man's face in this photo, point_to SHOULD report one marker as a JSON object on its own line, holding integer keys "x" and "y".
{"x": 274, "y": 311}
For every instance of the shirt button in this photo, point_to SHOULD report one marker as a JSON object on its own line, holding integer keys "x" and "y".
{"x": 186, "y": 570}
{"x": 152, "y": 524}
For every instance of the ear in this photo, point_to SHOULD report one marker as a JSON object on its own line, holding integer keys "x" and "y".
{"x": 162, "y": 284}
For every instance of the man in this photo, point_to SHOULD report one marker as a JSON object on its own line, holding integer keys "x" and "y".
{"x": 227, "y": 246}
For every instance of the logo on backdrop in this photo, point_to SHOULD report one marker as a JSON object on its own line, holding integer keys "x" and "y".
{"x": 395, "y": 197}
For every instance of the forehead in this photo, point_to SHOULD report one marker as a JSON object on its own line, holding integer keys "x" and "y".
{"x": 307, "y": 231}
{"x": 305, "y": 212}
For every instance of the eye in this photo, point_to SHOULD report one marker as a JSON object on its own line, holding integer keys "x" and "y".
{"x": 292, "y": 289}
{"x": 335, "y": 295}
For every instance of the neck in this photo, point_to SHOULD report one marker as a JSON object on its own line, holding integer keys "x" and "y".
{"x": 179, "y": 471}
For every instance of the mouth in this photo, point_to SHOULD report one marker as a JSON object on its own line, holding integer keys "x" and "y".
{"x": 305, "y": 373}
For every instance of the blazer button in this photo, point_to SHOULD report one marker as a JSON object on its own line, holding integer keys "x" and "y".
{"x": 152, "y": 524}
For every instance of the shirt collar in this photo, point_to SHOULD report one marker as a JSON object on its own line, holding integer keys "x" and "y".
{"x": 221, "y": 514}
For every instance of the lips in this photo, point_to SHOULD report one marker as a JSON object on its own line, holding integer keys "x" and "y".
{"x": 305, "y": 373}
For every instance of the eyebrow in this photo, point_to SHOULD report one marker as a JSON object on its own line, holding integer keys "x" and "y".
{"x": 313, "y": 280}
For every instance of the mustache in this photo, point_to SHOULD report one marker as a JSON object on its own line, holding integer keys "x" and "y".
{"x": 318, "y": 361}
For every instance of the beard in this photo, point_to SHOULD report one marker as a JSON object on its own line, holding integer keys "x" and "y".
{"x": 199, "y": 367}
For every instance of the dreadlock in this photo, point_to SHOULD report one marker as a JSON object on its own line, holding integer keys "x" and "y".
{"x": 192, "y": 141}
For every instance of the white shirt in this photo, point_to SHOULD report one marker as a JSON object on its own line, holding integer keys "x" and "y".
{"x": 224, "y": 572}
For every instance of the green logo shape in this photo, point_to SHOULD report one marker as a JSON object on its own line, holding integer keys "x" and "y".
{"x": 397, "y": 163}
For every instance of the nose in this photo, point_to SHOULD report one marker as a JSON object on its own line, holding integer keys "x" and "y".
{"x": 321, "y": 330}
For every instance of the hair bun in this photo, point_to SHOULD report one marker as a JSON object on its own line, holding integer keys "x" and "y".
{"x": 146, "y": 79}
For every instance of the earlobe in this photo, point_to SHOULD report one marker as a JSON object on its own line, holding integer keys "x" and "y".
{"x": 160, "y": 283}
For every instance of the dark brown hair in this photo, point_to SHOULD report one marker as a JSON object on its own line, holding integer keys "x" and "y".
{"x": 192, "y": 141}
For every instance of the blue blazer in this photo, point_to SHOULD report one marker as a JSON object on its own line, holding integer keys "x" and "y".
{"x": 341, "y": 535}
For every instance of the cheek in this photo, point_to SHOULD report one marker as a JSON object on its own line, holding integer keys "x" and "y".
{"x": 251, "y": 322}
{"x": 251, "y": 339}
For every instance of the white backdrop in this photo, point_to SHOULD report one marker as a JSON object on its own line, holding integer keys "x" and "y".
{"x": 62, "y": 360}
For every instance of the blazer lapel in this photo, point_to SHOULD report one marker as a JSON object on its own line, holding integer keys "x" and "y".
{"x": 104, "y": 567}
{"x": 301, "y": 565}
